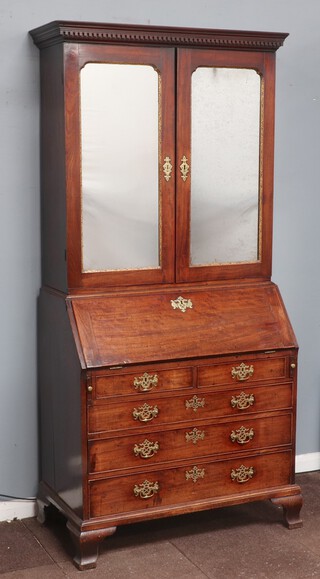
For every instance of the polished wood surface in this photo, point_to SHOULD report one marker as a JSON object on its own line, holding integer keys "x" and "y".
{"x": 149, "y": 409}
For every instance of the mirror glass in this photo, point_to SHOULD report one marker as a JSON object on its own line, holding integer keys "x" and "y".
{"x": 119, "y": 151}
{"x": 225, "y": 146}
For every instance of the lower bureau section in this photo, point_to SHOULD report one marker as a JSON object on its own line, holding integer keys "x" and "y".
{"x": 190, "y": 483}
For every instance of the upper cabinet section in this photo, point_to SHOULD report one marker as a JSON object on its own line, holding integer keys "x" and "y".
{"x": 157, "y": 152}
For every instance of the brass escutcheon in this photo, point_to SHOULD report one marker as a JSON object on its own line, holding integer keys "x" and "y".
{"x": 146, "y": 490}
{"x": 146, "y": 449}
{"x": 181, "y": 304}
{"x": 195, "y": 473}
{"x": 242, "y": 474}
{"x": 145, "y": 413}
{"x": 242, "y": 372}
{"x": 195, "y": 435}
{"x": 167, "y": 168}
{"x": 242, "y": 435}
{"x": 184, "y": 168}
{"x": 195, "y": 403}
{"x": 242, "y": 401}
{"x": 145, "y": 382}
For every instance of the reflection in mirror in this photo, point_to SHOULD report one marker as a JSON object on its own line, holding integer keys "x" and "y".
{"x": 119, "y": 148}
{"x": 225, "y": 145}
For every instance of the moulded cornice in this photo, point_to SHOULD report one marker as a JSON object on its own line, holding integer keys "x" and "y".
{"x": 83, "y": 32}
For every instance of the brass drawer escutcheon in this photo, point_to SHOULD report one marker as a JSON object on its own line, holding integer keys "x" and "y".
{"x": 242, "y": 401}
{"x": 184, "y": 168}
{"x": 195, "y": 435}
{"x": 145, "y": 382}
{"x": 146, "y": 490}
{"x": 242, "y": 474}
{"x": 195, "y": 403}
{"x": 145, "y": 413}
{"x": 242, "y": 372}
{"x": 242, "y": 435}
{"x": 195, "y": 473}
{"x": 181, "y": 304}
{"x": 167, "y": 168}
{"x": 146, "y": 449}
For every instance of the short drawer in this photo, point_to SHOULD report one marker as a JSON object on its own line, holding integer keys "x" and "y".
{"x": 143, "y": 413}
{"x": 105, "y": 385}
{"x": 192, "y": 482}
{"x": 189, "y": 442}
{"x": 245, "y": 370}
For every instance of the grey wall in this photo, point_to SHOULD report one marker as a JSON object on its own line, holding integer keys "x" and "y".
{"x": 297, "y": 200}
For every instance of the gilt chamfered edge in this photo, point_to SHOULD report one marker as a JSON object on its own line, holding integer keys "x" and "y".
{"x": 95, "y": 32}
{"x": 124, "y": 329}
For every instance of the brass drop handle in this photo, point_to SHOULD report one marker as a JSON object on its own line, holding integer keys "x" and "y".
{"x": 242, "y": 372}
{"x": 145, "y": 382}
{"x": 242, "y": 435}
{"x": 242, "y": 474}
{"x": 146, "y": 449}
{"x": 145, "y": 413}
{"x": 242, "y": 401}
{"x": 146, "y": 490}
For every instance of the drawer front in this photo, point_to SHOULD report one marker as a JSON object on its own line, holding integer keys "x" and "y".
{"x": 144, "y": 413}
{"x": 193, "y": 482}
{"x": 241, "y": 371}
{"x": 190, "y": 442}
{"x": 139, "y": 382}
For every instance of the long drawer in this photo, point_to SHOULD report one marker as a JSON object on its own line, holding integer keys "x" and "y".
{"x": 140, "y": 451}
{"x": 141, "y": 414}
{"x": 192, "y": 482}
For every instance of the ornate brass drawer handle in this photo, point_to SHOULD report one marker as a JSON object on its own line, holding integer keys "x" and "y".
{"x": 242, "y": 372}
{"x": 146, "y": 449}
{"x": 195, "y": 403}
{"x": 146, "y": 490}
{"x": 181, "y": 304}
{"x": 242, "y": 401}
{"x": 195, "y": 473}
{"x": 167, "y": 168}
{"x": 242, "y": 435}
{"x": 242, "y": 474}
{"x": 145, "y": 382}
{"x": 145, "y": 413}
{"x": 184, "y": 168}
{"x": 195, "y": 435}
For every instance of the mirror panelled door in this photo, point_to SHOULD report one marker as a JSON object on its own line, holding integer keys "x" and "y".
{"x": 225, "y": 165}
{"x": 124, "y": 135}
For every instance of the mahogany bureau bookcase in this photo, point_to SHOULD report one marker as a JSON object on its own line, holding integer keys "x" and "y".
{"x": 167, "y": 360}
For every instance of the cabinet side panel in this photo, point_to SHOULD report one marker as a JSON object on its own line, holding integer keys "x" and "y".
{"x": 53, "y": 204}
{"x": 60, "y": 402}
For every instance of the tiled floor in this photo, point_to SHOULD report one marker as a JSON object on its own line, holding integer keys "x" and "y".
{"x": 244, "y": 541}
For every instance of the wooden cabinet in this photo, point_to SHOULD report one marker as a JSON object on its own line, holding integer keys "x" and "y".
{"x": 167, "y": 361}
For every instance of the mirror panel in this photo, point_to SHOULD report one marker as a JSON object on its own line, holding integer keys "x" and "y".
{"x": 225, "y": 151}
{"x": 120, "y": 151}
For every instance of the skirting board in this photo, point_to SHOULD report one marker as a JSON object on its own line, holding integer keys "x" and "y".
{"x": 10, "y": 510}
